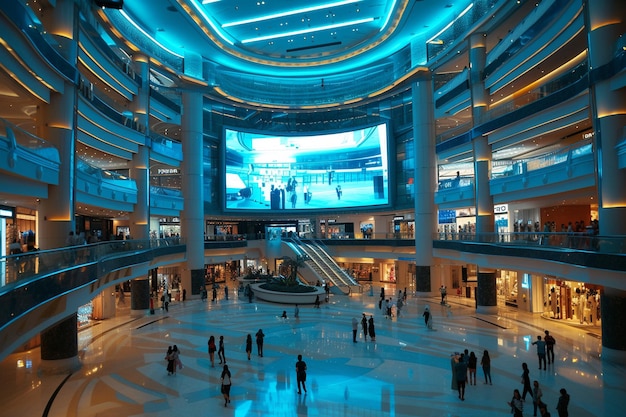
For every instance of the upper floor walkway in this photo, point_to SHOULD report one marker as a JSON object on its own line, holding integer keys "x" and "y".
{"x": 42, "y": 287}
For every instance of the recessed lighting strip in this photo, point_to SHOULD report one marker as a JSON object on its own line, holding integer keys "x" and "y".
{"x": 467, "y": 9}
{"x": 132, "y": 22}
{"x": 290, "y": 13}
{"x": 393, "y": 5}
{"x": 310, "y": 30}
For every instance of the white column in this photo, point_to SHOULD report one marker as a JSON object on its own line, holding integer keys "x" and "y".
{"x": 425, "y": 179}
{"x": 192, "y": 217}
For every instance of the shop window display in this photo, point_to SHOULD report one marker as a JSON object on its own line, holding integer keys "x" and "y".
{"x": 573, "y": 302}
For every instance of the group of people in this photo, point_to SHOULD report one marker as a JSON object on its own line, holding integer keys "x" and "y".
{"x": 464, "y": 368}
{"x": 368, "y": 328}
{"x": 390, "y": 308}
{"x": 172, "y": 356}
{"x": 518, "y": 400}
{"x": 225, "y": 378}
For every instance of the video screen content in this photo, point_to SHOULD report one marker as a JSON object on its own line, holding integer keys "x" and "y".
{"x": 327, "y": 171}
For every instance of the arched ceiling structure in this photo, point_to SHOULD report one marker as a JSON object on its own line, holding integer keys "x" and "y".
{"x": 290, "y": 37}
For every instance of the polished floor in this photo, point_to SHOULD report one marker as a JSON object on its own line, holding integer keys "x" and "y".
{"x": 405, "y": 372}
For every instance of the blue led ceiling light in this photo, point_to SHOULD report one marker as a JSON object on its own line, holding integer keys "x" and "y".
{"x": 290, "y": 13}
{"x": 393, "y": 6}
{"x": 200, "y": 9}
{"x": 146, "y": 34}
{"x": 309, "y": 30}
{"x": 434, "y": 39}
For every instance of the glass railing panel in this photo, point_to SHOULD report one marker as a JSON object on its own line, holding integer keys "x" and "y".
{"x": 504, "y": 168}
{"x": 25, "y": 266}
{"x": 19, "y": 137}
{"x": 536, "y": 94}
{"x": 585, "y": 241}
{"x": 166, "y": 146}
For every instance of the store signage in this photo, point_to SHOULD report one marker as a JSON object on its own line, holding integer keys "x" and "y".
{"x": 168, "y": 171}
{"x": 398, "y": 218}
{"x": 501, "y": 208}
{"x": 6, "y": 213}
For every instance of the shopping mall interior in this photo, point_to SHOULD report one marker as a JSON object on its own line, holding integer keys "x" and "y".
{"x": 179, "y": 152}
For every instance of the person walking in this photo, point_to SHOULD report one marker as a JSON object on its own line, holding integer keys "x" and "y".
{"x": 460, "y": 369}
{"x": 561, "y": 406}
{"x": 259, "y": 342}
{"x": 516, "y": 404}
{"x": 526, "y": 381}
{"x": 485, "y": 362}
{"x": 427, "y": 318}
{"x": 225, "y": 291}
{"x": 220, "y": 350}
{"x": 172, "y": 360}
{"x": 355, "y": 328}
{"x": 537, "y": 394}
{"x": 550, "y": 342}
{"x": 317, "y": 301}
{"x": 371, "y": 329}
{"x": 212, "y": 350}
{"x": 169, "y": 357}
{"x": 226, "y": 384}
{"x": 301, "y": 374}
{"x": 249, "y": 345}
{"x": 177, "y": 362}
{"x": 541, "y": 351}
{"x": 296, "y": 311}
{"x": 364, "y": 326}
{"x": 471, "y": 367}
{"x": 214, "y": 293}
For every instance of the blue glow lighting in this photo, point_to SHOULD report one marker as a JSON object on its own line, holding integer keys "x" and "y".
{"x": 132, "y": 22}
{"x": 217, "y": 30}
{"x": 393, "y": 6}
{"x": 309, "y": 30}
{"x": 290, "y": 13}
{"x": 467, "y": 9}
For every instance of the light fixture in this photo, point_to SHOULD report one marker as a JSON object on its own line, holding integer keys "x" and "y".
{"x": 309, "y": 30}
{"x": 290, "y": 13}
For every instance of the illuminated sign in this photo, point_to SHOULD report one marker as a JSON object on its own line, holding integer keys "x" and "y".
{"x": 501, "y": 208}
{"x": 6, "y": 213}
{"x": 167, "y": 171}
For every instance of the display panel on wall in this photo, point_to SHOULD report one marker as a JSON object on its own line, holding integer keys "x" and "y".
{"x": 326, "y": 171}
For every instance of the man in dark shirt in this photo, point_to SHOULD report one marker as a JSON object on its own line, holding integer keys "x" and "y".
{"x": 301, "y": 374}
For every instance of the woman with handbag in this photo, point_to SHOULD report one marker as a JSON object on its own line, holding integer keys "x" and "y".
{"x": 226, "y": 383}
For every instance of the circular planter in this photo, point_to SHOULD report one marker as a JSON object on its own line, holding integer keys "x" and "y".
{"x": 286, "y": 297}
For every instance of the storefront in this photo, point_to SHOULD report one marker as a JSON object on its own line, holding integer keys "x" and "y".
{"x": 330, "y": 229}
{"x": 571, "y": 301}
{"x": 402, "y": 228}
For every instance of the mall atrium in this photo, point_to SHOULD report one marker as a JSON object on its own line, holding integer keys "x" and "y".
{"x": 155, "y": 150}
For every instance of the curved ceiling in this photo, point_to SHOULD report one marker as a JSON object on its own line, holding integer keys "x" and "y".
{"x": 290, "y": 37}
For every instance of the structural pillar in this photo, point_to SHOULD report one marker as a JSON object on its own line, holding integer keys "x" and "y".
{"x": 612, "y": 306}
{"x": 56, "y": 123}
{"x": 608, "y": 105}
{"x": 425, "y": 180}
{"x": 139, "y": 296}
{"x": 486, "y": 291}
{"x": 59, "y": 346}
{"x": 482, "y": 150}
{"x": 192, "y": 217}
{"x": 140, "y": 165}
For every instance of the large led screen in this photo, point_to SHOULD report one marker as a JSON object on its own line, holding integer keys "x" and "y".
{"x": 314, "y": 172}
